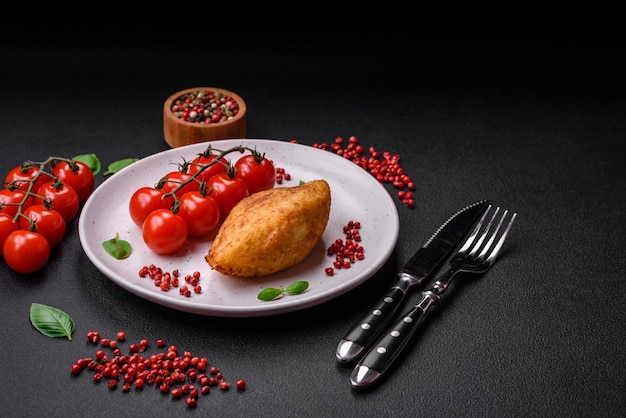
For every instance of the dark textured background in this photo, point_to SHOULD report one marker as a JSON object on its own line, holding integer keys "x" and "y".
{"x": 534, "y": 121}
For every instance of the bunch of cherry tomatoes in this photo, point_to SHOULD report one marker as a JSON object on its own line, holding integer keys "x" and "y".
{"x": 194, "y": 199}
{"x": 36, "y": 203}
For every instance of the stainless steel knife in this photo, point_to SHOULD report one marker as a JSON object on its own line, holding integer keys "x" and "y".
{"x": 420, "y": 266}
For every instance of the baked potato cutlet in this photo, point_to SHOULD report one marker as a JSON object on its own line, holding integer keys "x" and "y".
{"x": 271, "y": 230}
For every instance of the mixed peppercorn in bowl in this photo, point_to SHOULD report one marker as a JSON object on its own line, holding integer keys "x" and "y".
{"x": 203, "y": 114}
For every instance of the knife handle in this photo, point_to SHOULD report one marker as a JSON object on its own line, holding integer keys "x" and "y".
{"x": 369, "y": 327}
{"x": 388, "y": 346}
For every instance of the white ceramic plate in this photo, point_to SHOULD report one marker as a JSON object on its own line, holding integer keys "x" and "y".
{"x": 356, "y": 195}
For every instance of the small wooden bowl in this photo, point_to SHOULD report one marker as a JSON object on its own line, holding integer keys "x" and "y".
{"x": 179, "y": 132}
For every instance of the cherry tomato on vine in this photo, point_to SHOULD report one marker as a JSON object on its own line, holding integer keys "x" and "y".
{"x": 164, "y": 232}
{"x": 47, "y": 222}
{"x": 10, "y": 199}
{"x": 227, "y": 191}
{"x": 173, "y": 179}
{"x": 257, "y": 172}
{"x": 78, "y": 175}
{"x": 202, "y": 213}
{"x": 22, "y": 177}
{"x": 63, "y": 199}
{"x": 146, "y": 200}
{"x": 207, "y": 173}
{"x": 25, "y": 251}
{"x": 6, "y": 227}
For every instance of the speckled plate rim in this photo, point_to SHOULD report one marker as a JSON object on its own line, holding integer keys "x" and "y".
{"x": 356, "y": 195}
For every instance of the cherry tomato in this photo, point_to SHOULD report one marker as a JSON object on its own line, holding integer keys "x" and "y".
{"x": 9, "y": 199}
{"x": 227, "y": 191}
{"x": 257, "y": 172}
{"x": 63, "y": 198}
{"x": 25, "y": 251}
{"x": 163, "y": 231}
{"x": 22, "y": 177}
{"x": 202, "y": 160}
{"x": 202, "y": 213}
{"x": 47, "y": 222}
{"x": 146, "y": 200}
{"x": 6, "y": 227}
{"x": 173, "y": 179}
{"x": 77, "y": 175}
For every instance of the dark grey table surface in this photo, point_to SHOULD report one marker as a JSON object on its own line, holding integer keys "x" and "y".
{"x": 536, "y": 128}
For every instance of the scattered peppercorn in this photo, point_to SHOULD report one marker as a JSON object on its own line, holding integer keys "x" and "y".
{"x": 166, "y": 280}
{"x": 93, "y": 336}
{"x": 205, "y": 107}
{"x": 282, "y": 175}
{"x": 385, "y": 166}
{"x": 346, "y": 250}
{"x": 179, "y": 376}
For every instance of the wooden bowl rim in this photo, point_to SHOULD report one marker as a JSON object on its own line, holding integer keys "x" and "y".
{"x": 167, "y": 108}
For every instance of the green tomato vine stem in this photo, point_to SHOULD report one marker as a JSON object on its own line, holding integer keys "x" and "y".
{"x": 28, "y": 193}
{"x": 194, "y": 177}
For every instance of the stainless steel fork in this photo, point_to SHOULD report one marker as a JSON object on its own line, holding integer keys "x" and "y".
{"x": 476, "y": 255}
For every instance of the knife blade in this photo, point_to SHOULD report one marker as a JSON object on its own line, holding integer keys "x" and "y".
{"x": 420, "y": 266}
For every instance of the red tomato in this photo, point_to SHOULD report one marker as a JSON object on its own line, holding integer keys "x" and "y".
{"x": 63, "y": 198}
{"x": 10, "y": 199}
{"x": 257, "y": 172}
{"x": 47, "y": 222}
{"x": 202, "y": 160}
{"x": 174, "y": 179}
{"x": 77, "y": 175}
{"x": 6, "y": 227}
{"x": 227, "y": 191}
{"x": 164, "y": 232}
{"x": 22, "y": 177}
{"x": 25, "y": 251}
{"x": 202, "y": 213}
{"x": 146, "y": 200}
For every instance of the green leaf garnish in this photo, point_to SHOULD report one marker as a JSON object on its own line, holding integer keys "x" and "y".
{"x": 118, "y": 248}
{"x": 273, "y": 293}
{"x": 296, "y": 288}
{"x": 91, "y": 160}
{"x": 270, "y": 293}
{"x": 51, "y": 321}
{"x": 116, "y": 166}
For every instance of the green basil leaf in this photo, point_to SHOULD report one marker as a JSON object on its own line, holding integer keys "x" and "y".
{"x": 116, "y": 166}
{"x": 296, "y": 288}
{"x": 51, "y": 321}
{"x": 118, "y": 248}
{"x": 91, "y": 160}
{"x": 270, "y": 293}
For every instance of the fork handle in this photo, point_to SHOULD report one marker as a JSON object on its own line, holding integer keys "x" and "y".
{"x": 387, "y": 348}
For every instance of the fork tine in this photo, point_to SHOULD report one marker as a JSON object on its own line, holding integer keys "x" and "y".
{"x": 484, "y": 234}
{"x": 470, "y": 240}
{"x": 493, "y": 236}
{"x": 496, "y": 249}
